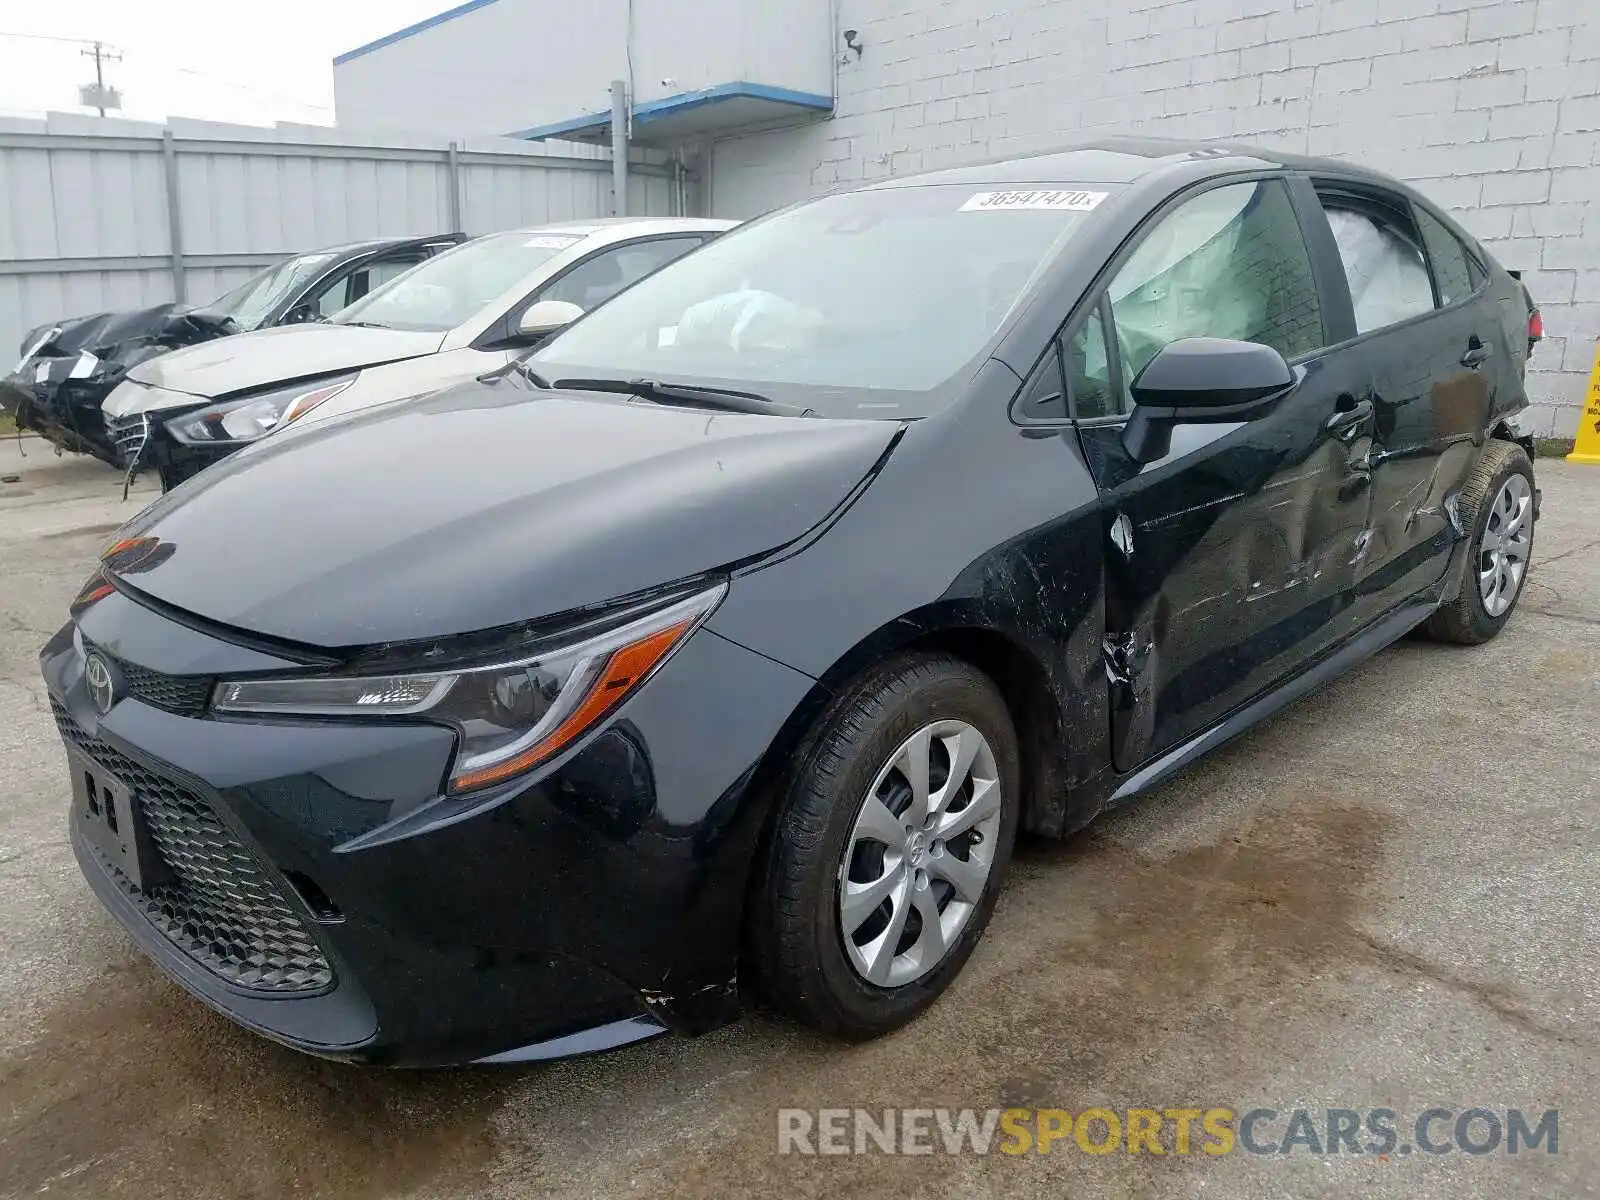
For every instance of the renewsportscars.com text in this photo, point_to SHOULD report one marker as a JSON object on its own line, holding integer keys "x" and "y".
{"x": 1380, "y": 1132}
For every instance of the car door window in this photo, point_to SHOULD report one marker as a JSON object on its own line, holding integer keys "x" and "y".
{"x": 348, "y": 289}
{"x": 331, "y": 296}
{"x": 1230, "y": 263}
{"x": 1449, "y": 258}
{"x": 1383, "y": 263}
{"x": 595, "y": 280}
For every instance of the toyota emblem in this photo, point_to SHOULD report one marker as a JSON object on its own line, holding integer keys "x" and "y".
{"x": 102, "y": 687}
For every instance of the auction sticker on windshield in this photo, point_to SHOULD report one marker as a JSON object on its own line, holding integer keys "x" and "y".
{"x": 1047, "y": 198}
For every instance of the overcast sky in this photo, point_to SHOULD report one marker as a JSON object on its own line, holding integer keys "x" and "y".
{"x": 254, "y": 63}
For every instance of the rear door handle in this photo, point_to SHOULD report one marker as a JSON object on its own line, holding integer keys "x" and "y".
{"x": 1477, "y": 354}
{"x": 1345, "y": 422}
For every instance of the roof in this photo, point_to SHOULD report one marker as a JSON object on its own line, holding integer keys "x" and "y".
{"x": 1120, "y": 160}
{"x": 624, "y": 226}
{"x": 369, "y": 244}
{"x": 389, "y": 39}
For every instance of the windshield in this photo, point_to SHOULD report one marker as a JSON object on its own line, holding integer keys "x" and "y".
{"x": 894, "y": 290}
{"x": 250, "y": 302}
{"x": 451, "y": 289}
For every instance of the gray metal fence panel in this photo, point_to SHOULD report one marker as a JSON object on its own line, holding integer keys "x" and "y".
{"x": 87, "y": 219}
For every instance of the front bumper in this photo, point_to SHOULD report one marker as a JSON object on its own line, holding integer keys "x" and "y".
{"x": 66, "y": 414}
{"x": 142, "y": 443}
{"x": 590, "y": 904}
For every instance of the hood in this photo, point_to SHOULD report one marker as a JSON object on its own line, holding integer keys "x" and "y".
{"x": 100, "y": 331}
{"x": 487, "y": 505}
{"x": 103, "y": 346}
{"x": 268, "y": 356}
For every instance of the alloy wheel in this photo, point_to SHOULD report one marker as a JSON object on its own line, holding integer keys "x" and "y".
{"x": 1503, "y": 551}
{"x": 920, "y": 853}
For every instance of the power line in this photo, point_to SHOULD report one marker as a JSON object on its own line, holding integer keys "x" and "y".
{"x": 45, "y": 37}
{"x": 98, "y": 96}
{"x": 244, "y": 87}
{"x": 107, "y": 53}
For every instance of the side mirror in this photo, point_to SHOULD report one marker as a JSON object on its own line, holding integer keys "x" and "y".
{"x": 301, "y": 313}
{"x": 1203, "y": 381}
{"x": 544, "y": 317}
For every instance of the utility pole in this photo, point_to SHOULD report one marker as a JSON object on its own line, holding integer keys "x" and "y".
{"x": 101, "y": 56}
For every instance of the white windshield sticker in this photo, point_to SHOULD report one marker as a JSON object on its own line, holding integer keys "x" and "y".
{"x": 84, "y": 367}
{"x": 1055, "y": 199}
{"x": 547, "y": 242}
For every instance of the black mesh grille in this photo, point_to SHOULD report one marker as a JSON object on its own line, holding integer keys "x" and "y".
{"x": 221, "y": 908}
{"x": 186, "y": 695}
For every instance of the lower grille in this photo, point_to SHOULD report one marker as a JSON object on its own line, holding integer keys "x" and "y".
{"x": 221, "y": 908}
{"x": 129, "y": 435}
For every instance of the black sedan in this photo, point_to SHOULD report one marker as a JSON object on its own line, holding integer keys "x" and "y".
{"x": 733, "y": 637}
{"x": 69, "y": 367}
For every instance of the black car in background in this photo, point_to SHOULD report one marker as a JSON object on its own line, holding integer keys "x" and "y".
{"x": 69, "y": 367}
{"x": 732, "y": 638}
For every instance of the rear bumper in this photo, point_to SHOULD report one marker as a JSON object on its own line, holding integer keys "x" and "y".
{"x": 583, "y": 908}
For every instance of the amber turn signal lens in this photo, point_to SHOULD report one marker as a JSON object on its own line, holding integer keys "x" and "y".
{"x": 621, "y": 673}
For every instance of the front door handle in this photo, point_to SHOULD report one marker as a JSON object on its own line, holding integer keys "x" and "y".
{"x": 1477, "y": 354}
{"x": 1344, "y": 423}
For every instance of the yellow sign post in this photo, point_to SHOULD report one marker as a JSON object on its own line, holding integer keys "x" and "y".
{"x": 1587, "y": 448}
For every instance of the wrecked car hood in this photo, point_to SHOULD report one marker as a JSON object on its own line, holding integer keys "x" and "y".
{"x": 486, "y": 505}
{"x": 268, "y": 356}
{"x": 105, "y": 334}
{"x": 71, "y": 366}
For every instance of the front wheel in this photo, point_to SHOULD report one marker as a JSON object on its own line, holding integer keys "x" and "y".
{"x": 1497, "y": 500}
{"x": 895, "y": 831}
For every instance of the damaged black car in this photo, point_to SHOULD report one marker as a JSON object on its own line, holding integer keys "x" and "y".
{"x": 725, "y": 645}
{"x": 69, "y": 367}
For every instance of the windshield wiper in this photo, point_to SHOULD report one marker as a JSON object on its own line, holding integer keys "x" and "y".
{"x": 654, "y": 390}
{"x": 365, "y": 324}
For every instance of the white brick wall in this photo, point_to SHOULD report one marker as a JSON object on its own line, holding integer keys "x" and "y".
{"x": 1492, "y": 107}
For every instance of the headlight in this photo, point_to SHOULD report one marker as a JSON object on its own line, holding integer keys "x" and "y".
{"x": 255, "y": 417}
{"x": 509, "y": 717}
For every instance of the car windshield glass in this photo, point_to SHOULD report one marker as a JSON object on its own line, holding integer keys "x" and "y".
{"x": 250, "y": 303}
{"x": 448, "y": 290}
{"x": 894, "y": 290}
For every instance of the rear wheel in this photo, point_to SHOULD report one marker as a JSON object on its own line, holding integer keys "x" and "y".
{"x": 1497, "y": 500}
{"x": 889, "y": 849}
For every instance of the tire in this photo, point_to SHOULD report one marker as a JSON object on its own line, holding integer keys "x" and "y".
{"x": 797, "y": 949}
{"x": 1468, "y": 619}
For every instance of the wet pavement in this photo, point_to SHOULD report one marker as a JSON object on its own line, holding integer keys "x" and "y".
{"x": 1385, "y": 897}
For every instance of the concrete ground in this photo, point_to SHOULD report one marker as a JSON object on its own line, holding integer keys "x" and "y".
{"x": 1385, "y": 897}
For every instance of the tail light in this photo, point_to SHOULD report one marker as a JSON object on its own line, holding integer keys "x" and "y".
{"x": 1535, "y": 330}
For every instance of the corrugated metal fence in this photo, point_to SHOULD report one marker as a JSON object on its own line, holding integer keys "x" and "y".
{"x": 104, "y": 214}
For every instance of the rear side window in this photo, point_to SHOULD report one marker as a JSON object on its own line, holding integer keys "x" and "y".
{"x": 595, "y": 280}
{"x": 1230, "y": 263}
{"x": 1451, "y": 270}
{"x": 1383, "y": 263}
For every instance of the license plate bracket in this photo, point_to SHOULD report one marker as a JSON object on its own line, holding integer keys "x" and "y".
{"x": 109, "y": 818}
